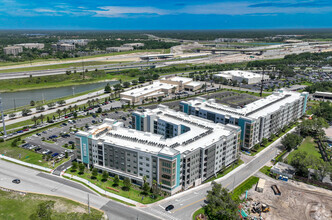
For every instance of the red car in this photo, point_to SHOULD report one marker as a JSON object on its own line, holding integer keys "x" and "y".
{"x": 66, "y": 116}
{"x": 27, "y": 129}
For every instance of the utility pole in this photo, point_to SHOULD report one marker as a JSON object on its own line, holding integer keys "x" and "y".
{"x": 261, "y": 94}
{"x": 73, "y": 90}
{"x": 43, "y": 98}
{"x": 83, "y": 68}
{"x": 14, "y": 105}
{"x": 89, "y": 204}
{"x": 3, "y": 118}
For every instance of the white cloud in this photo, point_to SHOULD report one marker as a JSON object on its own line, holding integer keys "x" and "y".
{"x": 118, "y": 11}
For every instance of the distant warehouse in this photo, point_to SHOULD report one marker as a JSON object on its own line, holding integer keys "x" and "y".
{"x": 241, "y": 76}
{"x": 119, "y": 49}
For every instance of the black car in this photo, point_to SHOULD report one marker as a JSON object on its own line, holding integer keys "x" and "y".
{"x": 168, "y": 208}
{"x": 70, "y": 142}
{"x": 17, "y": 181}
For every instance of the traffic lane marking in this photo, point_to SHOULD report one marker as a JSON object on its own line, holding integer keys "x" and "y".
{"x": 189, "y": 205}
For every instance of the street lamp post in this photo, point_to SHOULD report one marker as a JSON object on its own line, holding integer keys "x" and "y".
{"x": 3, "y": 118}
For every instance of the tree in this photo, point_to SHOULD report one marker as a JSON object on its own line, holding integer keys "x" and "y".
{"x": 41, "y": 117}
{"x": 126, "y": 184}
{"x": 59, "y": 112}
{"x": 74, "y": 166}
{"x": 100, "y": 110}
{"x": 32, "y": 103}
{"x": 300, "y": 162}
{"x": 264, "y": 141}
{"x": 117, "y": 87}
{"x": 134, "y": 82}
{"x": 291, "y": 141}
{"x": 220, "y": 204}
{"x": 107, "y": 88}
{"x": 34, "y": 119}
{"x": 141, "y": 79}
{"x": 40, "y": 108}
{"x": 144, "y": 179}
{"x": 81, "y": 168}
{"x": 44, "y": 211}
{"x": 126, "y": 84}
{"x": 66, "y": 155}
{"x": 94, "y": 173}
{"x": 105, "y": 175}
{"x": 116, "y": 180}
{"x": 146, "y": 188}
{"x": 25, "y": 112}
{"x": 61, "y": 102}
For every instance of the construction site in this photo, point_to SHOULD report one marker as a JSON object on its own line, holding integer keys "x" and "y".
{"x": 276, "y": 199}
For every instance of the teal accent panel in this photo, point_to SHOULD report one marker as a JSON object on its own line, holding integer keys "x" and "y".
{"x": 84, "y": 149}
{"x": 305, "y": 102}
{"x": 178, "y": 166}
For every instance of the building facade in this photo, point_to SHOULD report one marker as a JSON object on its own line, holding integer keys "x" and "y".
{"x": 176, "y": 162}
{"x": 13, "y": 50}
{"x": 32, "y": 45}
{"x": 257, "y": 120}
{"x": 242, "y": 76}
{"x": 63, "y": 47}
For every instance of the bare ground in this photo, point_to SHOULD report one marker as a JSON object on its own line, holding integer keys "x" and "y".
{"x": 297, "y": 200}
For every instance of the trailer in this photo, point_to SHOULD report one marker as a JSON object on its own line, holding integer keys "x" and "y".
{"x": 276, "y": 190}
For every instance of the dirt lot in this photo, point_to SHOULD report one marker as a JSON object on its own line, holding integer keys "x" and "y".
{"x": 297, "y": 201}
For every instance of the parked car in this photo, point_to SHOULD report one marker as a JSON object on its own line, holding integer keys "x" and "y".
{"x": 55, "y": 154}
{"x": 21, "y": 131}
{"x": 38, "y": 134}
{"x": 70, "y": 142}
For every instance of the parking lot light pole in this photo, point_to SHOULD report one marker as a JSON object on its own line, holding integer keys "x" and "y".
{"x": 3, "y": 118}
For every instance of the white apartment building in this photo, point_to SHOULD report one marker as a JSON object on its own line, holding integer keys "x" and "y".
{"x": 13, "y": 50}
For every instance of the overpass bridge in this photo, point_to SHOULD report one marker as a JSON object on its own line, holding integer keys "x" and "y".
{"x": 243, "y": 51}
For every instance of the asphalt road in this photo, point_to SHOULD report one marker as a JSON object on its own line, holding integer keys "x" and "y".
{"x": 39, "y": 182}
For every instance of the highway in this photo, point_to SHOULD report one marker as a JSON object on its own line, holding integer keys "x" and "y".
{"x": 40, "y": 182}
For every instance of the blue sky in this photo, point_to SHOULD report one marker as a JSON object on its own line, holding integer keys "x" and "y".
{"x": 164, "y": 14}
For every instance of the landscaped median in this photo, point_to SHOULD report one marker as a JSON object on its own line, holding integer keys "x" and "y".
{"x": 118, "y": 190}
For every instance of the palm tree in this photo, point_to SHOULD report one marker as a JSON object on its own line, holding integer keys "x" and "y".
{"x": 58, "y": 112}
{"x": 34, "y": 119}
{"x": 75, "y": 107}
{"x": 89, "y": 102}
{"x": 64, "y": 110}
{"x": 70, "y": 108}
{"x": 41, "y": 117}
{"x": 144, "y": 179}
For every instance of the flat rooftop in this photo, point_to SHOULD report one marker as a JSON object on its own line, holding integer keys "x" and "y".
{"x": 255, "y": 109}
{"x": 202, "y": 133}
{"x": 240, "y": 73}
{"x": 178, "y": 79}
{"x": 152, "y": 88}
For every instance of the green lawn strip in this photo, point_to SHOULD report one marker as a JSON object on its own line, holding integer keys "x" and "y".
{"x": 309, "y": 146}
{"x": 197, "y": 212}
{"x": 15, "y": 205}
{"x": 279, "y": 157}
{"x": 246, "y": 185}
{"x": 266, "y": 170}
{"x": 79, "y": 66}
{"x": 225, "y": 171}
{"x": 48, "y": 141}
{"x": 115, "y": 199}
{"x": 134, "y": 193}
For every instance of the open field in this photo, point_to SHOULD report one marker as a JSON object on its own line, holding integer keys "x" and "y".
{"x": 309, "y": 146}
{"x": 14, "y": 205}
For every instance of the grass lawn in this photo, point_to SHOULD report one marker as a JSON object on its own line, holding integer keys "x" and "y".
{"x": 265, "y": 170}
{"x": 199, "y": 211}
{"x": 246, "y": 185}
{"x": 19, "y": 206}
{"x": 134, "y": 193}
{"x": 48, "y": 141}
{"x": 226, "y": 171}
{"x": 309, "y": 146}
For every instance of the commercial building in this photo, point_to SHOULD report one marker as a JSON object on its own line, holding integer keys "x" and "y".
{"x": 160, "y": 88}
{"x": 119, "y": 49}
{"x": 195, "y": 149}
{"x": 31, "y": 45}
{"x": 63, "y": 47}
{"x": 323, "y": 95}
{"x": 242, "y": 76}
{"x": 79, "y": 42}
{"x": 133, "y": 45}
{"x": 283, "y": 169}
{"x": 258, "y": 119}
{"x": 13, "y": 50}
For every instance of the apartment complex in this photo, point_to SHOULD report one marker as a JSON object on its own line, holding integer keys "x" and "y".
{"x": 79, "y": 42}
{"x": 119, "y": 49}
{"x": 13, "y": 50}
{"x": 133, "y": 45}
{"x": 258, "y": 119}
{"x": 31, "y": 45}
{"x": 172, "y": 148}
{"x": 242, "y": 76}
{"x": 160, "y": 88}
{"x": 63, "y": 47}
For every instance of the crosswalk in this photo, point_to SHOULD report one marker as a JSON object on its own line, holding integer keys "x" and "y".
{"x": 162, "y": 214}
